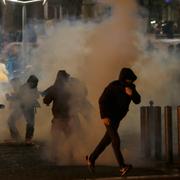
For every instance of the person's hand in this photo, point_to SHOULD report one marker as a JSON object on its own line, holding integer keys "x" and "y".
{"x": 128, "y": 91}
{"x": 106, "y": 121}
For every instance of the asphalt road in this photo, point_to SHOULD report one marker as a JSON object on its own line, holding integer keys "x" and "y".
{"x": 25, "y": 162}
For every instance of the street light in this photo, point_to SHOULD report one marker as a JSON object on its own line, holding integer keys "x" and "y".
{"x": 4, "y": 2}
{"x": 24, "y": 2}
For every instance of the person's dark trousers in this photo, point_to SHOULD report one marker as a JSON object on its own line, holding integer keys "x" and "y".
{"x": 111, "y": 136}
{"x": 29, "y": 114}
{"x": 14, "y": 116}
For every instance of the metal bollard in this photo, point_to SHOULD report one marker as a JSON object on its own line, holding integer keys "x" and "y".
{"x": 158, "y": 132}
{"x": 151, "y": 136}
{"x": 145, "y": 133}
{"x": 168, "y": 134}
{"x": 178, "y": 128}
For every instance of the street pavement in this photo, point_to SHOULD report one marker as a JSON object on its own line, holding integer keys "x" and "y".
{"x": 19, "y": 161}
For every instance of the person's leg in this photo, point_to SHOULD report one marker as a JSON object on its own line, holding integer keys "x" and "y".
{"x": 55, "y": 134}
{"x": 111, "y": 135}
{"x": 29, "y": 115}
{"x": 105, "y": 141}
{"x": 14, "y": 116}
{"x": 112, "y": 132}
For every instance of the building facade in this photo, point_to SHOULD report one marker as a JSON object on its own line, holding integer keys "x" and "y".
{"x": 11, "y": 13}
{"x": 162, "y": 11}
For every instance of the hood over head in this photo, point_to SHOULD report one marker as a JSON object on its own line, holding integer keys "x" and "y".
{"x": 127, "y": 73}
{"x": 32, "y": 81}
{"x": 62, "y": 76}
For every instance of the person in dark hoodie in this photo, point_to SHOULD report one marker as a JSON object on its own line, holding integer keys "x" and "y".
{"x": 28, "y": 95}
{"x": 59, "y": 95}
{"x": 114, "y": 105}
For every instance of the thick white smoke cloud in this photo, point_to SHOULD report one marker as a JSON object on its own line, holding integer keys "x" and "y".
{"x": 95, "y": 53}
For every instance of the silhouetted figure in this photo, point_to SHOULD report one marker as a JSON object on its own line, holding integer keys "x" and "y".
{"x": 171, "y": 49}
{"x": 79, "y": 99}
{"x": 169, "y": 29}
{"x": 114, "y": 105}
{"x": 59, "y": 95}
{"x": 177, "y": 51}
{"x": 150, "y": 46}
{"x": 13, "y": 64}
{"x": 16, "y": 112}
{"x": 31, "y": 35}
{"x": 28, "y": 95}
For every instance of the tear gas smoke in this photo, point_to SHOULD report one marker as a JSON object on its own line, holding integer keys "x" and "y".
{"x": 95, "y": 53}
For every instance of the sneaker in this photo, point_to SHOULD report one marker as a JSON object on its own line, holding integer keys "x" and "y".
{"x": 125, "y": 169}
{"x": 91, "y": 165}
{"x": 29, "y": 142}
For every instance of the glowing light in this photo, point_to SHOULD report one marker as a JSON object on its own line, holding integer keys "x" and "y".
{"x": 153, "y": 22}
{"x": 44, "y": 2}
{"x": 25, "y": 2}
{"x": 168, "y": 1}
{"x": 4, "y": 1}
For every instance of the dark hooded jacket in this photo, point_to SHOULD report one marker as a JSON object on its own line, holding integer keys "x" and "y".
{"x": 59, "y": 95}
{"x": 114, "y": 102}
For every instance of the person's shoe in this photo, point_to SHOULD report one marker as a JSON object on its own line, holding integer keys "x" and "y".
{"x": 29, "y": 142}
{"x": 125, "y": 169}
{"x": 91, "y": 165}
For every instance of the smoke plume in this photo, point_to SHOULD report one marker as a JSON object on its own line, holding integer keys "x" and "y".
{"x": 95, "y": 53}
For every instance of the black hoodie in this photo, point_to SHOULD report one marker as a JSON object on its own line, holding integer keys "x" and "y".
{"x": 59, "y": 94}
{"x": 114, "y": 102}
